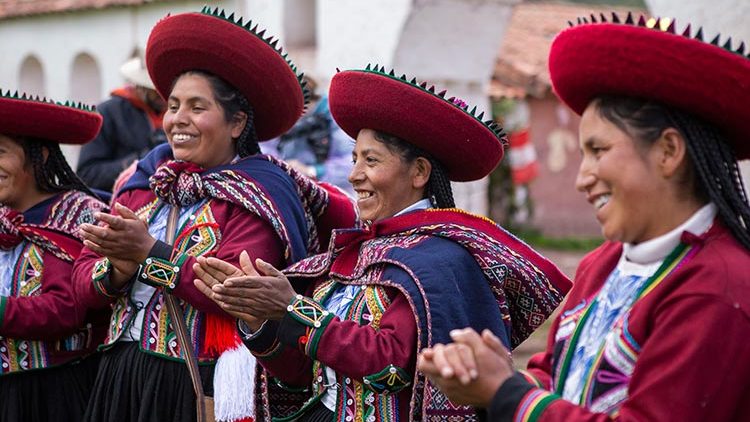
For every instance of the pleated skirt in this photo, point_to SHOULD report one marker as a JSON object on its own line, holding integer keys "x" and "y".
{"x": 54, "y": 394}
{"x": 135, "y": 386}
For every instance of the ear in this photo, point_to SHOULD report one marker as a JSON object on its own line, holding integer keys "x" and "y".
{"x": 422, "y": 168}
{"x": 238, "y": 124}
{"x": 671, "y": 150}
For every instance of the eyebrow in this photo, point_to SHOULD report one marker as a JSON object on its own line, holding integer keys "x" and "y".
{"x": 190, "y": 100}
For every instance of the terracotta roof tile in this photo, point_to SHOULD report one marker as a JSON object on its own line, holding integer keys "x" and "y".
{"x": 521, "y": 66}
{"x": 19, "y": 8}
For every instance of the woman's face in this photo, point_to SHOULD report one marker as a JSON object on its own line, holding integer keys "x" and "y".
{"x": 622, "y": 180}
{"x": 17, "y": 182}
{"x": 385, "y": 184}
{"x": 195, "y": 125}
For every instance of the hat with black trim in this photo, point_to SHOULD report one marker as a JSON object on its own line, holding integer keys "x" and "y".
{"x": 31, "y": 116}
{"x": 648, "y": 59}
{"x": 373, "y": 98}
{"x": 238, "y": 53}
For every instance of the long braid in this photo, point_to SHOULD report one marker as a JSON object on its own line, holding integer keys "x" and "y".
{"x": 53, "y": 174}
{"x": 247, "y": 143}
{"x": 439, "y": 187}
{"x": 717, "y": 168}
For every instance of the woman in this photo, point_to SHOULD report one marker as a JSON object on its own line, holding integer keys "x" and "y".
{"x": 637, "y": 338}
{"x": 226, "y": 88}
{"x": 46, "y": 336}
{"x": 415, "y": 270}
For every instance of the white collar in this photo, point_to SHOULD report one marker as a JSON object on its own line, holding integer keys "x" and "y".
{"x": 422, "y": 204}
{"x": 658, "y": 248}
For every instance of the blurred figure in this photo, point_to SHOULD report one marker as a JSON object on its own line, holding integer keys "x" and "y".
{"x": 316, "y": 145}
{"x": 132, "y": 127}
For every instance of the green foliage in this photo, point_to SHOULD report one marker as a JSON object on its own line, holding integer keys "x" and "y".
{"x": 568, "y": 243}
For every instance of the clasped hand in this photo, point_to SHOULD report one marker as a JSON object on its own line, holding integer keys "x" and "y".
{"x": 470, "y": 370}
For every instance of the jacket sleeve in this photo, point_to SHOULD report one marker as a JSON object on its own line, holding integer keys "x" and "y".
{"x": 682, "y": 373}
{"x": 52, "y": 314}
{"x": 340, "y": 345}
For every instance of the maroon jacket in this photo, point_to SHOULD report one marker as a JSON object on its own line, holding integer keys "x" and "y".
{"x": 42, "y": 324}
{"x": 681, "y": 354}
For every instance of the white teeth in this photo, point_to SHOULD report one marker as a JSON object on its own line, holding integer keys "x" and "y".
{"x": 181, "y": 137}
{"x": 364, "y": 195}
{"x": 601, "y": 201}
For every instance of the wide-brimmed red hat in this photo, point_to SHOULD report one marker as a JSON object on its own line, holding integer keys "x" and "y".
{"x": 632, "y": 59}
{"x": 372, "y": 98}
{"x": 236, "y": 52}
{"x": 66, "y": 123}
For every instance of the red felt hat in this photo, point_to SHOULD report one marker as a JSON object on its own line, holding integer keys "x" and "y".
{"x": 236, "y": 52}
{"x": 632, "y": 59}
{"x": 22, "y": 115}
{"x": 373, "y": 99}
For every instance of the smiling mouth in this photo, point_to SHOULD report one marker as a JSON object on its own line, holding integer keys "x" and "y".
{"x": 182, "y": 137}
{"x": 601, "y": 201}
{"x": 364, "y": 195}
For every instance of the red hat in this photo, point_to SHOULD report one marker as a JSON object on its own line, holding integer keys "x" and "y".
{"x": 632, "y": 59}
{"x": 373, "y": 99}
{"x": 236, "y": 52}
{"x": 68, "y": 123}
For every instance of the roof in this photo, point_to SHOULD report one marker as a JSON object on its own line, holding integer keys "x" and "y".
{"x": 22, "y": 8}
{"x": 521, "y": 65}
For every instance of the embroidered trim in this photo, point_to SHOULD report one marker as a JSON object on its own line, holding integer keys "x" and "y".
{"x": 313, "y": 316}
{"x": 675, "y": 259}
{"x": 533, "y": 404}
{"x": 391, "y": 379}
{"x": 3, "y": 303}
{"x": 531, "y": 378}
{"x": 159, "y": 272}
{"x": 100, "y": 278}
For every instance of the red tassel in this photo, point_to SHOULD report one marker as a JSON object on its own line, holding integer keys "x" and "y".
{"x": 221, "y": 335}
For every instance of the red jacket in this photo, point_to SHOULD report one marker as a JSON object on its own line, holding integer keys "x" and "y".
{"x": 687, "y": 341}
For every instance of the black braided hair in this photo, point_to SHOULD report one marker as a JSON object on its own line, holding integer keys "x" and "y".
{"x": 232, "y": 101}
{"x": 438, "y": 188}
{"x": 714, "y": 173}
{"x": 53, "y": 175}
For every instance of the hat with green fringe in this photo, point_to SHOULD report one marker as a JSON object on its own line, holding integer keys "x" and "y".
{"x": 457, "y": 137}
{"x": 648, "y": 59}
{"x": 31, "y": 116}
{"x": 238, "y": 53}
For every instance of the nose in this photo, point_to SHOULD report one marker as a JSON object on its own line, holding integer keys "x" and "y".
{"x": 586, "y": 177}
{"x": 356, "y": 175}
{"x": 180, "y": 116}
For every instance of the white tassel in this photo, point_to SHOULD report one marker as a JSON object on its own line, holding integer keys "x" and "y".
{"x": 234, "y": 385}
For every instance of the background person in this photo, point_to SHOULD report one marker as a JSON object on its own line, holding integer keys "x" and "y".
{"x": 132, "y": 127}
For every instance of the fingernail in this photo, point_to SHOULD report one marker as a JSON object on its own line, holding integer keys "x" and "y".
{"x": 446, "y": 372}
{"x": 455, "y": 332}
{"x": 465, "y": 379}
{"x": 473, "y": 374}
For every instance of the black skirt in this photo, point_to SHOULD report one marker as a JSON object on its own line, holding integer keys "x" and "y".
{"x": 54, "y": 394}
{"x": 138, "y": 387}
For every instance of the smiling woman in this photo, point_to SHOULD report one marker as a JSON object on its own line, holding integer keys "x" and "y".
{"x": 206, "y": 192}
{"x": 46, "y": 336}
{"x": 415, "y": 269}
{"x": 656, "y": 325}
